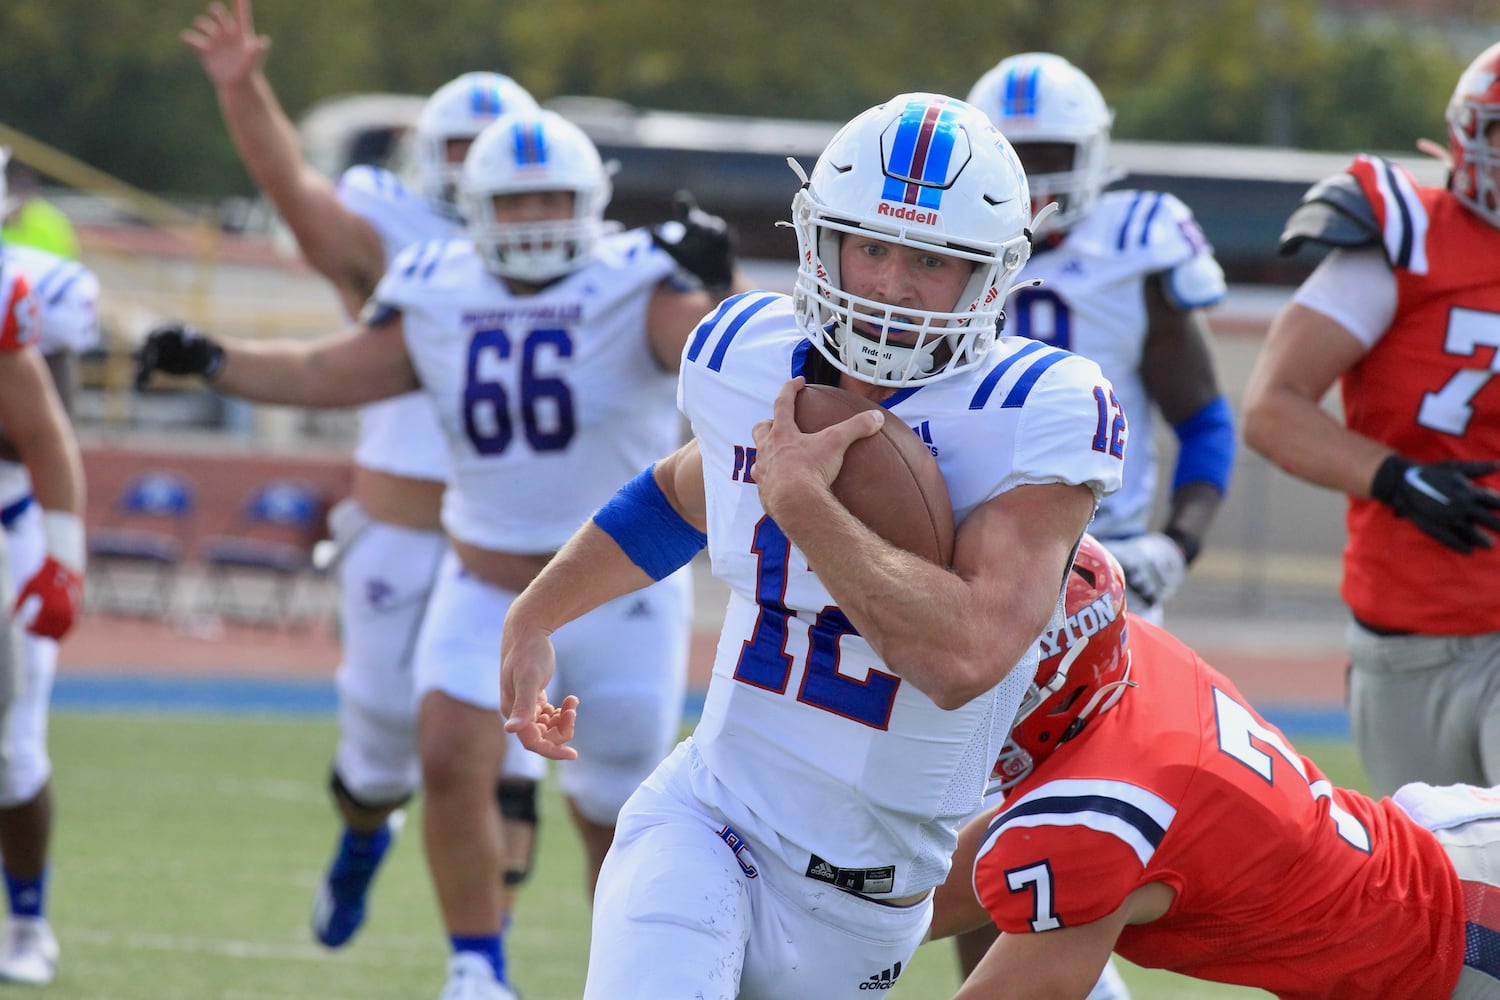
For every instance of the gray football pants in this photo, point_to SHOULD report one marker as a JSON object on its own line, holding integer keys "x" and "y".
{"x": 1425, "y": 708}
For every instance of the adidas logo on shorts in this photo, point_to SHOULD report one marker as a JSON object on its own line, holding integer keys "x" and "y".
{"x": 882, "y": 980}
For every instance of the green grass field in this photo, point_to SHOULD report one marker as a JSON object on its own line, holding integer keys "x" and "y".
{"x": 187, "y": 848}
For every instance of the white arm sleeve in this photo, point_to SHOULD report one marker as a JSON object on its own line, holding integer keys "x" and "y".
{"x": 1356, "y": 289}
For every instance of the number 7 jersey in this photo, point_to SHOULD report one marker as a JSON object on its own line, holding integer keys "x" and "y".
{"x": 1427, "y": 389}
{"x": 811, "y": 745}
{"x": 1182, "y": 783}
{"x": 549, "y": 401}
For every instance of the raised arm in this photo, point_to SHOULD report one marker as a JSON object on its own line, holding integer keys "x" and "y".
{"x": 337, "y": 243}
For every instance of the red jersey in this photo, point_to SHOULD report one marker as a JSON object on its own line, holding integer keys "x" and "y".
{"x": 1427, "y": 389}
{"x": 1283, "y": 882}
{"x": 19, "y": 323}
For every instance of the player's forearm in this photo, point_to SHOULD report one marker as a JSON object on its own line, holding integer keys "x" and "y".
{"x": 590, "y": 570}
{"x": 38, "y": 429}
{"x": 1192, "y": 512}
{"x": 265, "y": 137}
{"x": 1305, "y": 441}
{"x": 294, "y": 374}
{"x": 56, "y": 467}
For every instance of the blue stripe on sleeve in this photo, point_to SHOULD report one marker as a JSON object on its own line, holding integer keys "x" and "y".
{"x": 1151, "y": 217}
{"x": 1018, "y": 392}
{"x": 721, "y": 347}
{"x": 982, "y": 394}
{"x": 1135, "y": 203}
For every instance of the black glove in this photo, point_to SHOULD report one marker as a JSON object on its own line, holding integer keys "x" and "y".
{"x": 1441, "y": 499}
{"x": 702, "y": 244}
{"x": 177, "y": 349}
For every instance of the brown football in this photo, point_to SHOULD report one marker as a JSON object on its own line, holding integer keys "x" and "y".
{"x": 890, "y": 481}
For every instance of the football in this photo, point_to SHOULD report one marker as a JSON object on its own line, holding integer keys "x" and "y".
{"x": 890, "y": 480}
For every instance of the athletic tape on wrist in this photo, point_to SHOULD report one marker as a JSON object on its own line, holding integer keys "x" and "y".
{"x": 64, "y": 531}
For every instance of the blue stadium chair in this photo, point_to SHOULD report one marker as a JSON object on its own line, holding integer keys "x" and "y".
{"x": 140, "y": 545}
{"x": 267, "y": 551}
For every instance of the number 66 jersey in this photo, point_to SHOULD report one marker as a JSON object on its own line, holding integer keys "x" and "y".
{"x": 810, "y": 744}
{"x": 549, "y": 401}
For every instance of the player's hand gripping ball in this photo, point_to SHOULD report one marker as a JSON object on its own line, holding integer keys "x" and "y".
{"x": 890, "y": 480}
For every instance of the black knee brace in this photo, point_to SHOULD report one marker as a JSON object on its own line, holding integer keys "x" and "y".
{"x": 517, "y": 800}
{"x": 340, "y": 792}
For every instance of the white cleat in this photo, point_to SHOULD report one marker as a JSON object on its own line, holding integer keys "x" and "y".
{"x": 471, "y": 978}
{"x": 28, "y": 952}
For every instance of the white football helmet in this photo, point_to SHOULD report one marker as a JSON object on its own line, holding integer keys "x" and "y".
{"x": 528, "y": 151}
{"x": 1041, "y": 97}
{"x": 1474, "y": 107}
{"x": 924, "y": 171}
{"x": 460, "y": 109}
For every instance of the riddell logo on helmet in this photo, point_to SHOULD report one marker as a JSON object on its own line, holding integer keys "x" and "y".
{"x": 906, "y": 213}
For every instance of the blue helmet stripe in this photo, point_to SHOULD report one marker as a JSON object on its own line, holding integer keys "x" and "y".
{"x": 530, "y": 144}
{"x": 1020, "y": 92}
{"x": 920, "y": 155}
{"x": 484, "y": 99}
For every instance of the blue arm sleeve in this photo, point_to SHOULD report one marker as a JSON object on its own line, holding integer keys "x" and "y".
{"x": 1206, "y": 447}
{"x": 646, "y": 526}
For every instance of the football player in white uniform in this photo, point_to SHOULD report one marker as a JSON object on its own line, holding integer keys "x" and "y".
{"x": 860, "y": 694}
{"x": 47, "y": 304}
{"x": 387, "y": 534}
{"x": 547, "y": 344}
{"x": 1125, "y": 276}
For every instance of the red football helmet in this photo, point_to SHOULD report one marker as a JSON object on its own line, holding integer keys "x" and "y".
{"x": 1084, "y": 670}
{"x": 1472, "y": 111}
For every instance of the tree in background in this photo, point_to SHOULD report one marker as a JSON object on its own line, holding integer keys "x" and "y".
{"x": 112, "y": 85}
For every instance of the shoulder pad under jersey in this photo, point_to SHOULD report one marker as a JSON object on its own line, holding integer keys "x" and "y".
{"x": 1333, "y": 212}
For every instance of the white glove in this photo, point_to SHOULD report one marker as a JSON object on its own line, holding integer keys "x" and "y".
{"x": 1154, "y": 566}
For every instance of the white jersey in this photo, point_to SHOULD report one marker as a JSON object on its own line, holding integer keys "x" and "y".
{"x": 550, "y": 401}
{"x": 809, "y": 745}
{"x": 1092, "y": 301}
{"x": 401, "y": 435}
{"x": 66, "y": 296}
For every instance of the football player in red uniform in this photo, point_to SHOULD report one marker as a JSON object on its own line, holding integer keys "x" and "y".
{"x": 1405, "y": 314}
{"x": 1150, "y": 811}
